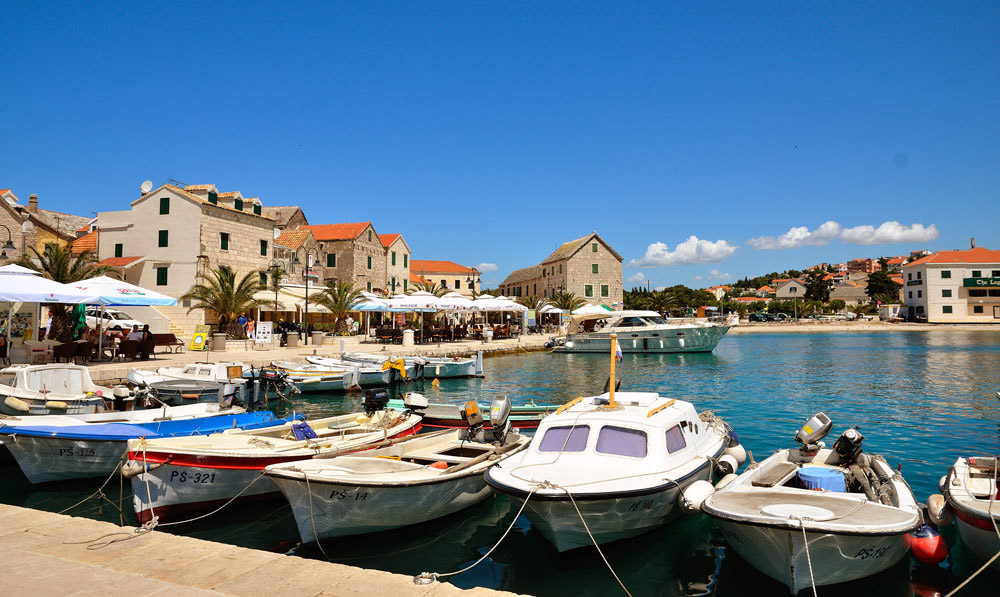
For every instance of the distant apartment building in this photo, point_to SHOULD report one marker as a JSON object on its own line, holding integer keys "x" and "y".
{"x": 397, "y": 263}
{"x": 587, "y": 267}
{"x": 448, "y": 274}
{"x": 719, "y": 291}
{"x": 838, "y": 267}
{"x": 765, "y": 291}
{"x": 954, "y": 287}
{"x": 352, "y": 252}
{"x": 868, "y": 266}
{"x": 169, "y": 235}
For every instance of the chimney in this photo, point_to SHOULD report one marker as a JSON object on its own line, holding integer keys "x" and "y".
{"x": 973, "y": 243}
{"x": 33, "y": 203}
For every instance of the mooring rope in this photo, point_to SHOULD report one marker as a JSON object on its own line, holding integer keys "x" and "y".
{"x": 805, "y": 543}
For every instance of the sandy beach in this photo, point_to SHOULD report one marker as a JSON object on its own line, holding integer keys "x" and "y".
{"x": 818, "y": 327}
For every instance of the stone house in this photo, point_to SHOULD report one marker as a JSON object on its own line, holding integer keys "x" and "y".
{"x": 587, "y": 266}
{"x": 351, "y": 252}
{"x": 290, "y": 249}
{"x": 397, "y": 263}
{"x": 449, "y": 275}
{"x": 286, "y": 217}
{"x": 786, "y": 290}
{"x": 170, "y": 235}
{"x": 851, "y": 293}
{"x": 31, "y": 227}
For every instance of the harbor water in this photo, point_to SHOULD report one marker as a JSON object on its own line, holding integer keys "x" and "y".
{"x": 921, "y": 399}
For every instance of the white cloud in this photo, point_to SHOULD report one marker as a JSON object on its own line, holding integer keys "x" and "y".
{"x": 717, "y": 275}
{"x": 636, "y": 278}
{"x": 487, "y": 267}
{"x": 888, "y": 232}
{"x": 699, "y": 277}
{"x": 693, "y": 250}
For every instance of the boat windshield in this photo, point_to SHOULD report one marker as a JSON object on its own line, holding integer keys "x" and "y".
{"x": 630, "y": 322}
{"x": 621, "y": 441}
{"x": 656, "y": 321}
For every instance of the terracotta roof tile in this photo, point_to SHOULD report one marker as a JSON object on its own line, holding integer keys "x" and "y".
{"x": 87, "y": 242}
{"x": 338, "y": 231}
{"x": 4, "y": 191}
{"x": 199, "y": 187}
{"x": 525, "y": 273}
{"x": 976, "y": 255}
{"x": 388, "y": 239}
{"x": 203, "y": 201}
{"x": 119, "y": 261}
{"x": 230, "y": 194}
{"x": 414, "y": 278}
{"x": 436, "y": 266}
{"x": 293, "y": 239}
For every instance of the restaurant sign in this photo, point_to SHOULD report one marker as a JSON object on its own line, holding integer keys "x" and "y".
{"x": 981, "y": 282}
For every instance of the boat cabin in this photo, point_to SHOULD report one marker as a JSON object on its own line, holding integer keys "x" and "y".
{"x": 53, "y": 379}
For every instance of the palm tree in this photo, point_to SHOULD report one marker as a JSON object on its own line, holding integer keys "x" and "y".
{"x": 58, "y": 263}
{"x": 662, "y": 302}
{"x": 568, "y": 302}
{"x": 340, "y": 297}
{"x": 431, "y": 287}
{"x": 218, "y": 291}
{"x": 532, "y": 302}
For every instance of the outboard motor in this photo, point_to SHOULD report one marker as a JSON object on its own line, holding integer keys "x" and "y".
{"x": 815, "y": 429}
{"x": 415, "y": 402}
{"x": 122, "y": 399}
{"x": 848, "y": 445}
{"x": 472, "y": 417}
{"x": 375, "y": 400}
{"x": 500, "y": 418}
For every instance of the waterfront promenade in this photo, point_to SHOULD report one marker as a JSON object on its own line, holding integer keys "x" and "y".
{"x": 48, "y": 554}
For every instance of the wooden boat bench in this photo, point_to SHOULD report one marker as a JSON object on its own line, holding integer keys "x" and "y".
{"x": 775, "y": 475}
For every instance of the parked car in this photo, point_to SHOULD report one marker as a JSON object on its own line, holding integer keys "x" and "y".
{"x": 778, "y": 316}
{"x": 760, "y": 317}
{"x": 113, "y": 319}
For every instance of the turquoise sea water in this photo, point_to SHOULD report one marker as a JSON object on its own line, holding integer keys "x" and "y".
{"x": 920, "y": 399}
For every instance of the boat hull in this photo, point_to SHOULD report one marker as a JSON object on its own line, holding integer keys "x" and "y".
{"x": 836, "y": 558}
{"x": 978, "y": 534}
{"x": 37, "y": 406}
{"x": 46, "y": 459}
{"x": 342, "y": 509}
{"x": 688, "y": 339}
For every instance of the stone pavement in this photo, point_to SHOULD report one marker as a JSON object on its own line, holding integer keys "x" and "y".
{"x": 244, "y": 352}
{"x": 42, "y": 560}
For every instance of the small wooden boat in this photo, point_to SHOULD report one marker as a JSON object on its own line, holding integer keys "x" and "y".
{"x": 432, "y": 367}
{"x": 177, "y": 474}
{"x": 815, "y": 516}
{"x": 314, "y": 377}
{"x": 53, "y": 389}
{"x": 972, "y": 498}
{"x": 448, "y": 416}
{"x": 58, "y": 452}
{"x": 624, "y": 457}
{"x": 413, "y": 480}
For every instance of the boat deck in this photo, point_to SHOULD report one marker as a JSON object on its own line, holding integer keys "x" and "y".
{"x": 827, "y": 510}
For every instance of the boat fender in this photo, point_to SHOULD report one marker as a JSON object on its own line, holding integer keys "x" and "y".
{"x": 16, "y": 404}
{"x": 938, "y": 510}
{"x": 440, "y": 465}
{"x": 928, "y": 546}
{"x": 738, "y": 452}
{"x": 726, "y": 480}
{"x": 691, "y": 497}
{"x": 942, "y": 483}
{"x": 56, "y": 404}
{"x": 726, "y": 465}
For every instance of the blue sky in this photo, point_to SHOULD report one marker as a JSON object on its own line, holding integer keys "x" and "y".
{"x": 491, "y": 132}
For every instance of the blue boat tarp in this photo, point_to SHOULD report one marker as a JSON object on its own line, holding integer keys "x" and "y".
{"x": 168, "y": 428}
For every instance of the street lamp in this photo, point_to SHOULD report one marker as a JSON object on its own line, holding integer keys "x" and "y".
{"x": 7, "y": 246}
{"x": 312, "y": 255}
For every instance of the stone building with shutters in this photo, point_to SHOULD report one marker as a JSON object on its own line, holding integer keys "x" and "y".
{"x": 448, "y": 275}
{"x": 397, "y": 263}
{"x": 171, "y": 234}
{"x": 32, "y": 228}
{"x": 351, "y": 252}
{"x": 587, "y": 266}
{"x": 954, "y": 287}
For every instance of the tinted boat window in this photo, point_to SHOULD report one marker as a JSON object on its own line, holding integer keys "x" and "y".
{"x": 622, "y": 442}
{"x": 565, "y": 439}
{"x": 630, "y": 322}
{"x": 675, "y": 439}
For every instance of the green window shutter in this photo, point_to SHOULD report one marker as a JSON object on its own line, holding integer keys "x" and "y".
{"x": 394, "y": 258}
{"x": 256, "y": 208}
{"x": 369, "y": 287}
{"x": 369, "y": 265}
{"x": 263, "y": 278}
{"x": 588, "y": 291}
{"x": 404, "y": 285}
{"x": 238, "y": 204}
{"x": 945, "y": 274}
{"x": 946, "y": 309}
{"x": 406, "y": 262}
{"x": 331, "y": 260}
{"x": 946, "y": 293}
{"x": 369, "y": 240}
{"x": 263, "y": 248}
{"x": 593, "y": 247}
{"x": 164, "y": 206}
{"x": 593, "y": 268}
{"x": 213, "y": 197}
{"x": 163, "y": 238}
{"x": 604, "y": 290}
{"x": 119, "y": 249}
{"x": 161, "y": 276}
{"x": 224, "y": 241}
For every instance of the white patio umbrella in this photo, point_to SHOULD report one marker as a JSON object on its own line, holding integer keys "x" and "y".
{"x": 420, "y": 301}
{"x": 120, "y": 293}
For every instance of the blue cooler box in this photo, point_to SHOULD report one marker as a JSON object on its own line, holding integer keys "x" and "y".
{"x": 827, "y": 479}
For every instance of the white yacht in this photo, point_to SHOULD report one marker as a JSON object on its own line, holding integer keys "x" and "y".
{"x": 641, "y": 332}
{"x": 53, "y": 389}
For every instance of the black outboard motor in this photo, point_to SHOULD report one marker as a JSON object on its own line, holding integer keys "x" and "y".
{"x": 375, "y": 399}
{"x": 500, "y": 418}
{"x": 848, "y": 445}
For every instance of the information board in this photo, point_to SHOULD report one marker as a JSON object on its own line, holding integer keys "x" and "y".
{"x": 264, "y": 329}
{"x": 199, "y": 340}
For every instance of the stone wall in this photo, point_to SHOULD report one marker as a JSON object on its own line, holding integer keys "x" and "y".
{"x": 246, "y": 231}
{"x": 397, "y": 271}
{"x": 580, "y": 274}
{"x": 352, "y": 260}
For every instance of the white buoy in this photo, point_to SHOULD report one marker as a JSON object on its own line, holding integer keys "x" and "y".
{"x": 726, "y": 465}
{"x": 726, "y": 480}
{"x": 938, "y": 510}
{"x": 738, "y": 452}
{"x": 693, "y": 495}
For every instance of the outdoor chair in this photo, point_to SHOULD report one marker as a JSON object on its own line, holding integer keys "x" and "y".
{"x": 84, "y": 352}
{"x": 127, "y": 349}
{"x": 66, "y": 351}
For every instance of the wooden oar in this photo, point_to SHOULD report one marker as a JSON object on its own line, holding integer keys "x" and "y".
{"x": 382, "y": 444}
{"x": 482, "y": 457}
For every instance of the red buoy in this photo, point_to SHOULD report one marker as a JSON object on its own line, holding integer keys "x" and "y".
{"x": 440, "y": 465}
{"x": 928, "y": 546}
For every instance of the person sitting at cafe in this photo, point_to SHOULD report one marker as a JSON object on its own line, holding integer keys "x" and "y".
{"x": 145, "y": 344}
{"x": 135, "y": 334}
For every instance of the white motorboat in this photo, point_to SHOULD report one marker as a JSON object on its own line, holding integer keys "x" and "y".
{"x": 313, "y": 377}
{"x": 221, "y": 373}
{"x": 377, "y": 374}
{"x": 623, "y": 458}
{"x": 50, "y": 389}
{"x": 172, "y": 475}
{"x": 640, "y": 332}
{"x": 439, "y": 367}
{"x": 972, "y": 498}
{"x": 815, "y": 516}
{"x": 413, "y": 480}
